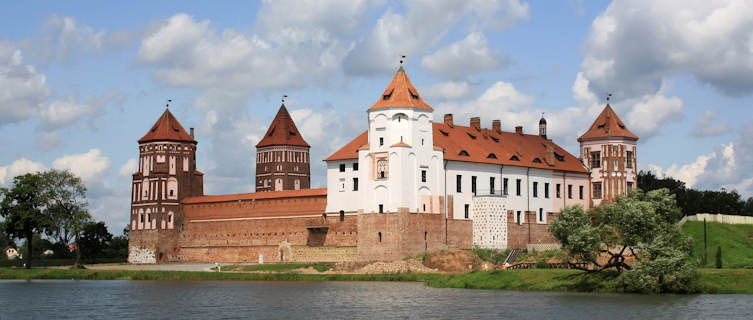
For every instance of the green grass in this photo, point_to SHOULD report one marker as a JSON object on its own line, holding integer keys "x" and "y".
{"x": 737, "y": 246}
{"x": 52, "y": 262}
{"x": 709, "y": 280}
{"x": 283, "y": 267}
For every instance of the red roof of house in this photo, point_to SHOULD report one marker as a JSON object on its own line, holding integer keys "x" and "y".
{"x": 167, "y": 128}
{"x": 486, "y": 146}
{"x": 282, "y": 131}
{"x": 257, "y": 195}
{"x": 607, "y": 124}
{"x": 400, "y": 93}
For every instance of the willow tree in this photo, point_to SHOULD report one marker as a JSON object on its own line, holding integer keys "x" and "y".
{"x": 640, "y": 225}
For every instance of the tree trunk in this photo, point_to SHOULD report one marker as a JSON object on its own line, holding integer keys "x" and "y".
{"x": 29, "y": 236}
{"x": 77, "y": 265}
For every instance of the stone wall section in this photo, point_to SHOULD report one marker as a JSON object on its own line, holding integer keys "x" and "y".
{"x": 489, "y": 222}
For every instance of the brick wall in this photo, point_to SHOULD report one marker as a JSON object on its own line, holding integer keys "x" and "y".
{"x": 397, "y": 235}
{"x": 529, "y": 232}
{"x": 322, "y": 254}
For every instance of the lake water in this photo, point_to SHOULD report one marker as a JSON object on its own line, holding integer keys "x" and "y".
{"x": 62, "y": 299}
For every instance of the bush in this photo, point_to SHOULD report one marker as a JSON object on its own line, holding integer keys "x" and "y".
{"x": 661, "y": 275}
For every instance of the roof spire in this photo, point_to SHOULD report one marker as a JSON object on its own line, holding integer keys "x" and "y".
{"x": 609, "y": 95}
{"x": 167, "y": 105}
{"x": 402, "y": 59}
{"x": 283, "y": 98}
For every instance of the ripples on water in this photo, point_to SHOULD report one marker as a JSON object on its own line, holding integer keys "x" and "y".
{"x": 62, "y": 299}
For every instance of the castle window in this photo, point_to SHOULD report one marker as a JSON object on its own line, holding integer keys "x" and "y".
{"x": 629, "y": 187}
{"x": 381, "y": 141}
{"x": 629, "y": 159}
{"x": 535, "y": 189}
{"x": 423, "y": 175}
{"x": 558, "y": 190}
{"x": 504, "y": 186}
{"x": 541, "y": 215}
{"x": 382, "y": 169}
{"x": 279, "y": 167}
{"x": 596, "y": 159}
{"x": 463, "y": 153}
{"x": 517, "y": 186}
{"x": 355, "y": 184}
{"x": 570, "y": 191}
{"x": 342, "y": 167}
{"x": 519, "y": 218}
{"x": 422, "y": 141}
{"x": 171, "y": 193}
{"x": 473, "y": 185}
{"x": 514, "y": 158}
{"x": 381, "y": 210}
{"x": 380, "y": 236}
{"x": 355, "y": 166}
{"x": 342, "y": 215}
{"x": 467, "y": 210}
{"x": 596, "y": 190}
{"x": 492, "y": 156}
{"x": 491, "y": 185}
{"x": 546, "y": 190}
{"x": 458, "y": 183}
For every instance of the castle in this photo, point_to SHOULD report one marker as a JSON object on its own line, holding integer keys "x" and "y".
{"x": 403, "y": 187}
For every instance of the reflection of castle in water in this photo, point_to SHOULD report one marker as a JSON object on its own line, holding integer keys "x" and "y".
{"x": 405, "y": 186}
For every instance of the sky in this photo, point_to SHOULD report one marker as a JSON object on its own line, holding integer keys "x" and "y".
{"x": 81, "y": 82}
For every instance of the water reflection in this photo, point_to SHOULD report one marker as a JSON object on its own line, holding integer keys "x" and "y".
{"x": 340, "y": 300}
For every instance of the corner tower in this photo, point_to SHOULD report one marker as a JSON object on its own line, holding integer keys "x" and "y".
{"x": 608, "y": 149}
{"x": 166, "y": 175}
{"x": 282, "y": 156}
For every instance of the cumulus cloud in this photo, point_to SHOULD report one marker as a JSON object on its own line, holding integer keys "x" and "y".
{"x": 68, "y": 110}
{"x": 17, "y": 168}
{"x": 421, "y": 27}
{"x": 89, "y": 166}
{"x": 62, "y": 37}
{"x": 649, "y": 113}
{"x": 450, "y": 90}
{"x": 22, "y": 89}
{"x": 129, "y": 168}
{"x": 465, "y": 57}
{"x": 704, "y": 126}
{"x": 633, "y": 45}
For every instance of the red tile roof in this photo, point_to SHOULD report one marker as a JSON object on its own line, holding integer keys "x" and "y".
{"x": 486, "y": 146}
{"x": 167, "y": 128}
{"x": 350, "y": 150}
{"x": 257, "y": 196}
{"x": 607, "y": 124}
{"x": 400, "y": 93}
{"x": 282, "y": 131}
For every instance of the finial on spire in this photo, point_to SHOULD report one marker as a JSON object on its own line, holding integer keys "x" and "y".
{"x": 167, "y": 105}
{"x": 609, "y": 95}
{"x": 402, "y": 59}
{"x": 283, "y": 98}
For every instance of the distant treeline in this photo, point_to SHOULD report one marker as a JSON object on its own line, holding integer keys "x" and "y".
{"x": 693, "y": 201}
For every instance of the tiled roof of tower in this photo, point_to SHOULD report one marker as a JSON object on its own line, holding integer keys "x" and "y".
{"x": 167, "y": 128}
{"x": 282, "y": 131}
{"x": 401, "y": 93}
{"x": 487, "y": 146}
{"x": 607, "y": 124}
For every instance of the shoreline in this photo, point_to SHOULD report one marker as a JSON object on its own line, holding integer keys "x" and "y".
{"x": 709, "y": 281}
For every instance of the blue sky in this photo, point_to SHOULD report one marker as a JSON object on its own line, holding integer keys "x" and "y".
{"x": 81, "y": 82}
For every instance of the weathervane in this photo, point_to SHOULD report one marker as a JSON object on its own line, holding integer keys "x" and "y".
{"x": 167, "y": 105}
{"x": 609, "y": 95}
{"x": 283, "y": 98}
{"x": 402, "y": 59}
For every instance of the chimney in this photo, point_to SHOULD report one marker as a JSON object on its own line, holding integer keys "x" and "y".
{"x": 549, "y": 154}
{"x": 519, "y": 130}
{"x": 497, "y": 126}
{"x": 476, "y": 123}
{"x": 448, "y": 119}
{"x": 191, "y": 132}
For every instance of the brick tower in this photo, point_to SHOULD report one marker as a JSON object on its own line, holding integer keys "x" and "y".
{"x": 282, "y": 157}
{"x": 608, "y": 149}
{"x": 167, "y": 174}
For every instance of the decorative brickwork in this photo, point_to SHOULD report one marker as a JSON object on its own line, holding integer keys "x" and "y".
{"x": 520, "y": 235}
{"x": 489, "y": 222}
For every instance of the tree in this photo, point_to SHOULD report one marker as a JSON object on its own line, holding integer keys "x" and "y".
{"x": 641, "y": 225}
{"x": 94, "y": 239}
{"x": 66, "y": 196}
{"x": 5, "y": 240}
{"x": 23, "y": 208}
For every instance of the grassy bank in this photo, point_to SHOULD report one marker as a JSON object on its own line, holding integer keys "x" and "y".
{"x": 709, "y": 280}
{"x": 321, "y": 267}
{"x": 734, "y": 239}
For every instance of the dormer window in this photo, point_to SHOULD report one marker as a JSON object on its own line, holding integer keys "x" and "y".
{"x": 463, "y": 153}
{"x": 387, "y": 95}
{"x": 495, "y": 139}
{"x": 514, "y": 158}
{"x": 472, "y": 136}
{"x": 413, "y": 95}
{"x": 537, "y": 160}
{"x": 492, "y": 156}
{"x": 444, "y": 133}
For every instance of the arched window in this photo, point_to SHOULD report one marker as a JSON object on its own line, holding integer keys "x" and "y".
{"x": 342, "y": 215}
{"x": 382, "y": 169}
{"x": 380, "y": 237}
